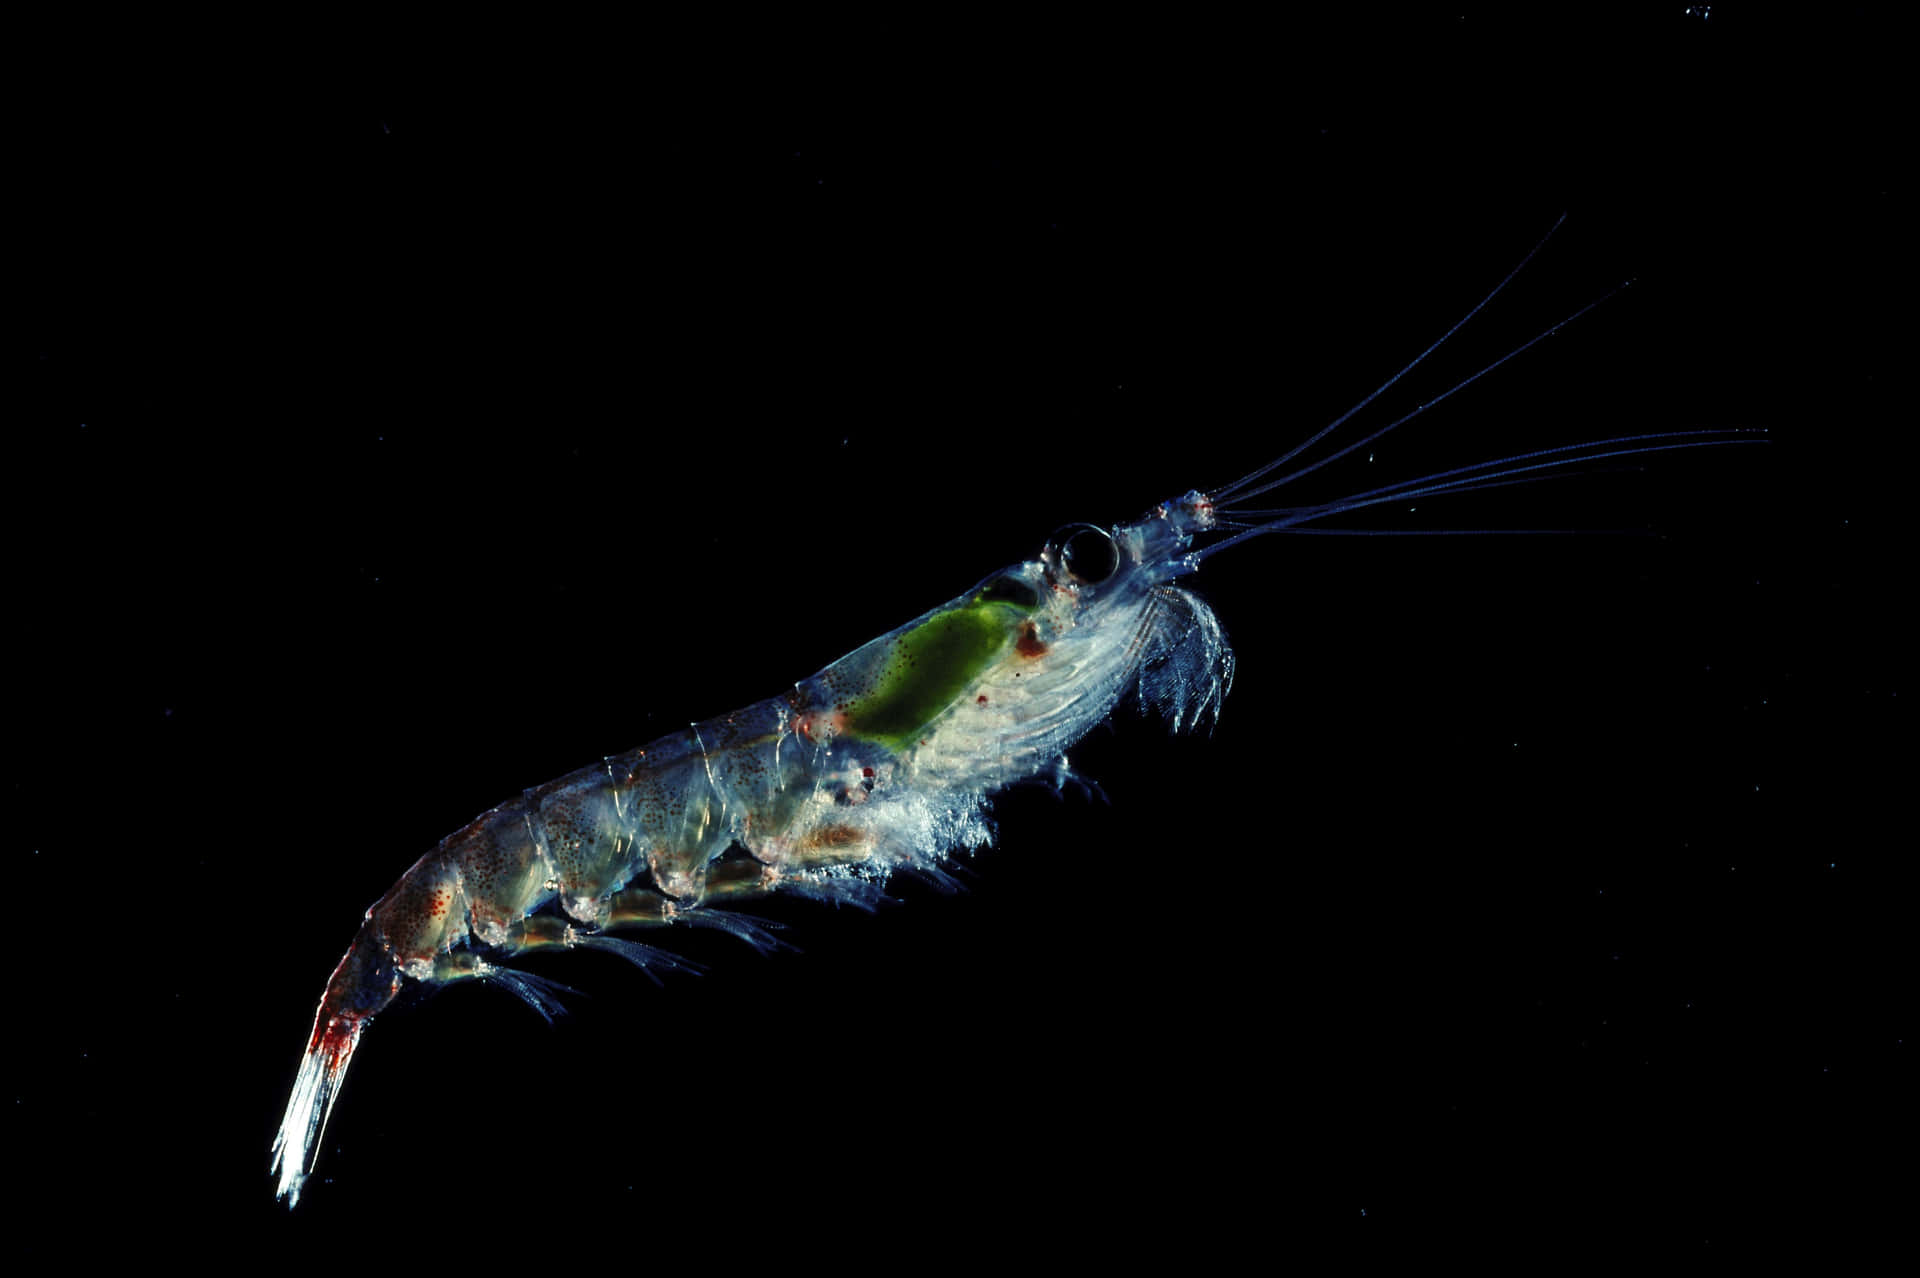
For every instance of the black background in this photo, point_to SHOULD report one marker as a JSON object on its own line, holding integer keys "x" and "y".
{"x": 413, "y": 421}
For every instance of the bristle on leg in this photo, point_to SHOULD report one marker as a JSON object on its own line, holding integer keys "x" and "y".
{"x": 537, "y": 992}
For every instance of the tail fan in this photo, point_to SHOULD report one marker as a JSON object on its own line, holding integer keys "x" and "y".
{"x": 315, "y": 1088}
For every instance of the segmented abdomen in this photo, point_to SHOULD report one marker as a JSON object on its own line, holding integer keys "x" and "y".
{"x": 634, "y": 839}
{"x": 647, "y": 821}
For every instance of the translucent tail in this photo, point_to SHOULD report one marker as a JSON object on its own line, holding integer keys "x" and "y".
{"x": 329, "y": 1052}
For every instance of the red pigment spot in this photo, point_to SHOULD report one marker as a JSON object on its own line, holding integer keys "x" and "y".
{"x": 1028, "y": 644}
{"x": 339, "y": 1045}
{"x": 866, "y": 772}
{"x": 334, "y": 1037}
{"x": 980, "y": 700}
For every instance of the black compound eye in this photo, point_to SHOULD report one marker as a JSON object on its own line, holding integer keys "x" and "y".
{"x": 1087, "y": 553}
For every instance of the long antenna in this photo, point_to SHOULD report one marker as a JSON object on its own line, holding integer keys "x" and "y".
{"x": 1227, "y": 492}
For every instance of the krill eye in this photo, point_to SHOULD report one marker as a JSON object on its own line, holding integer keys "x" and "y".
{"x": 1087, "y": 553}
